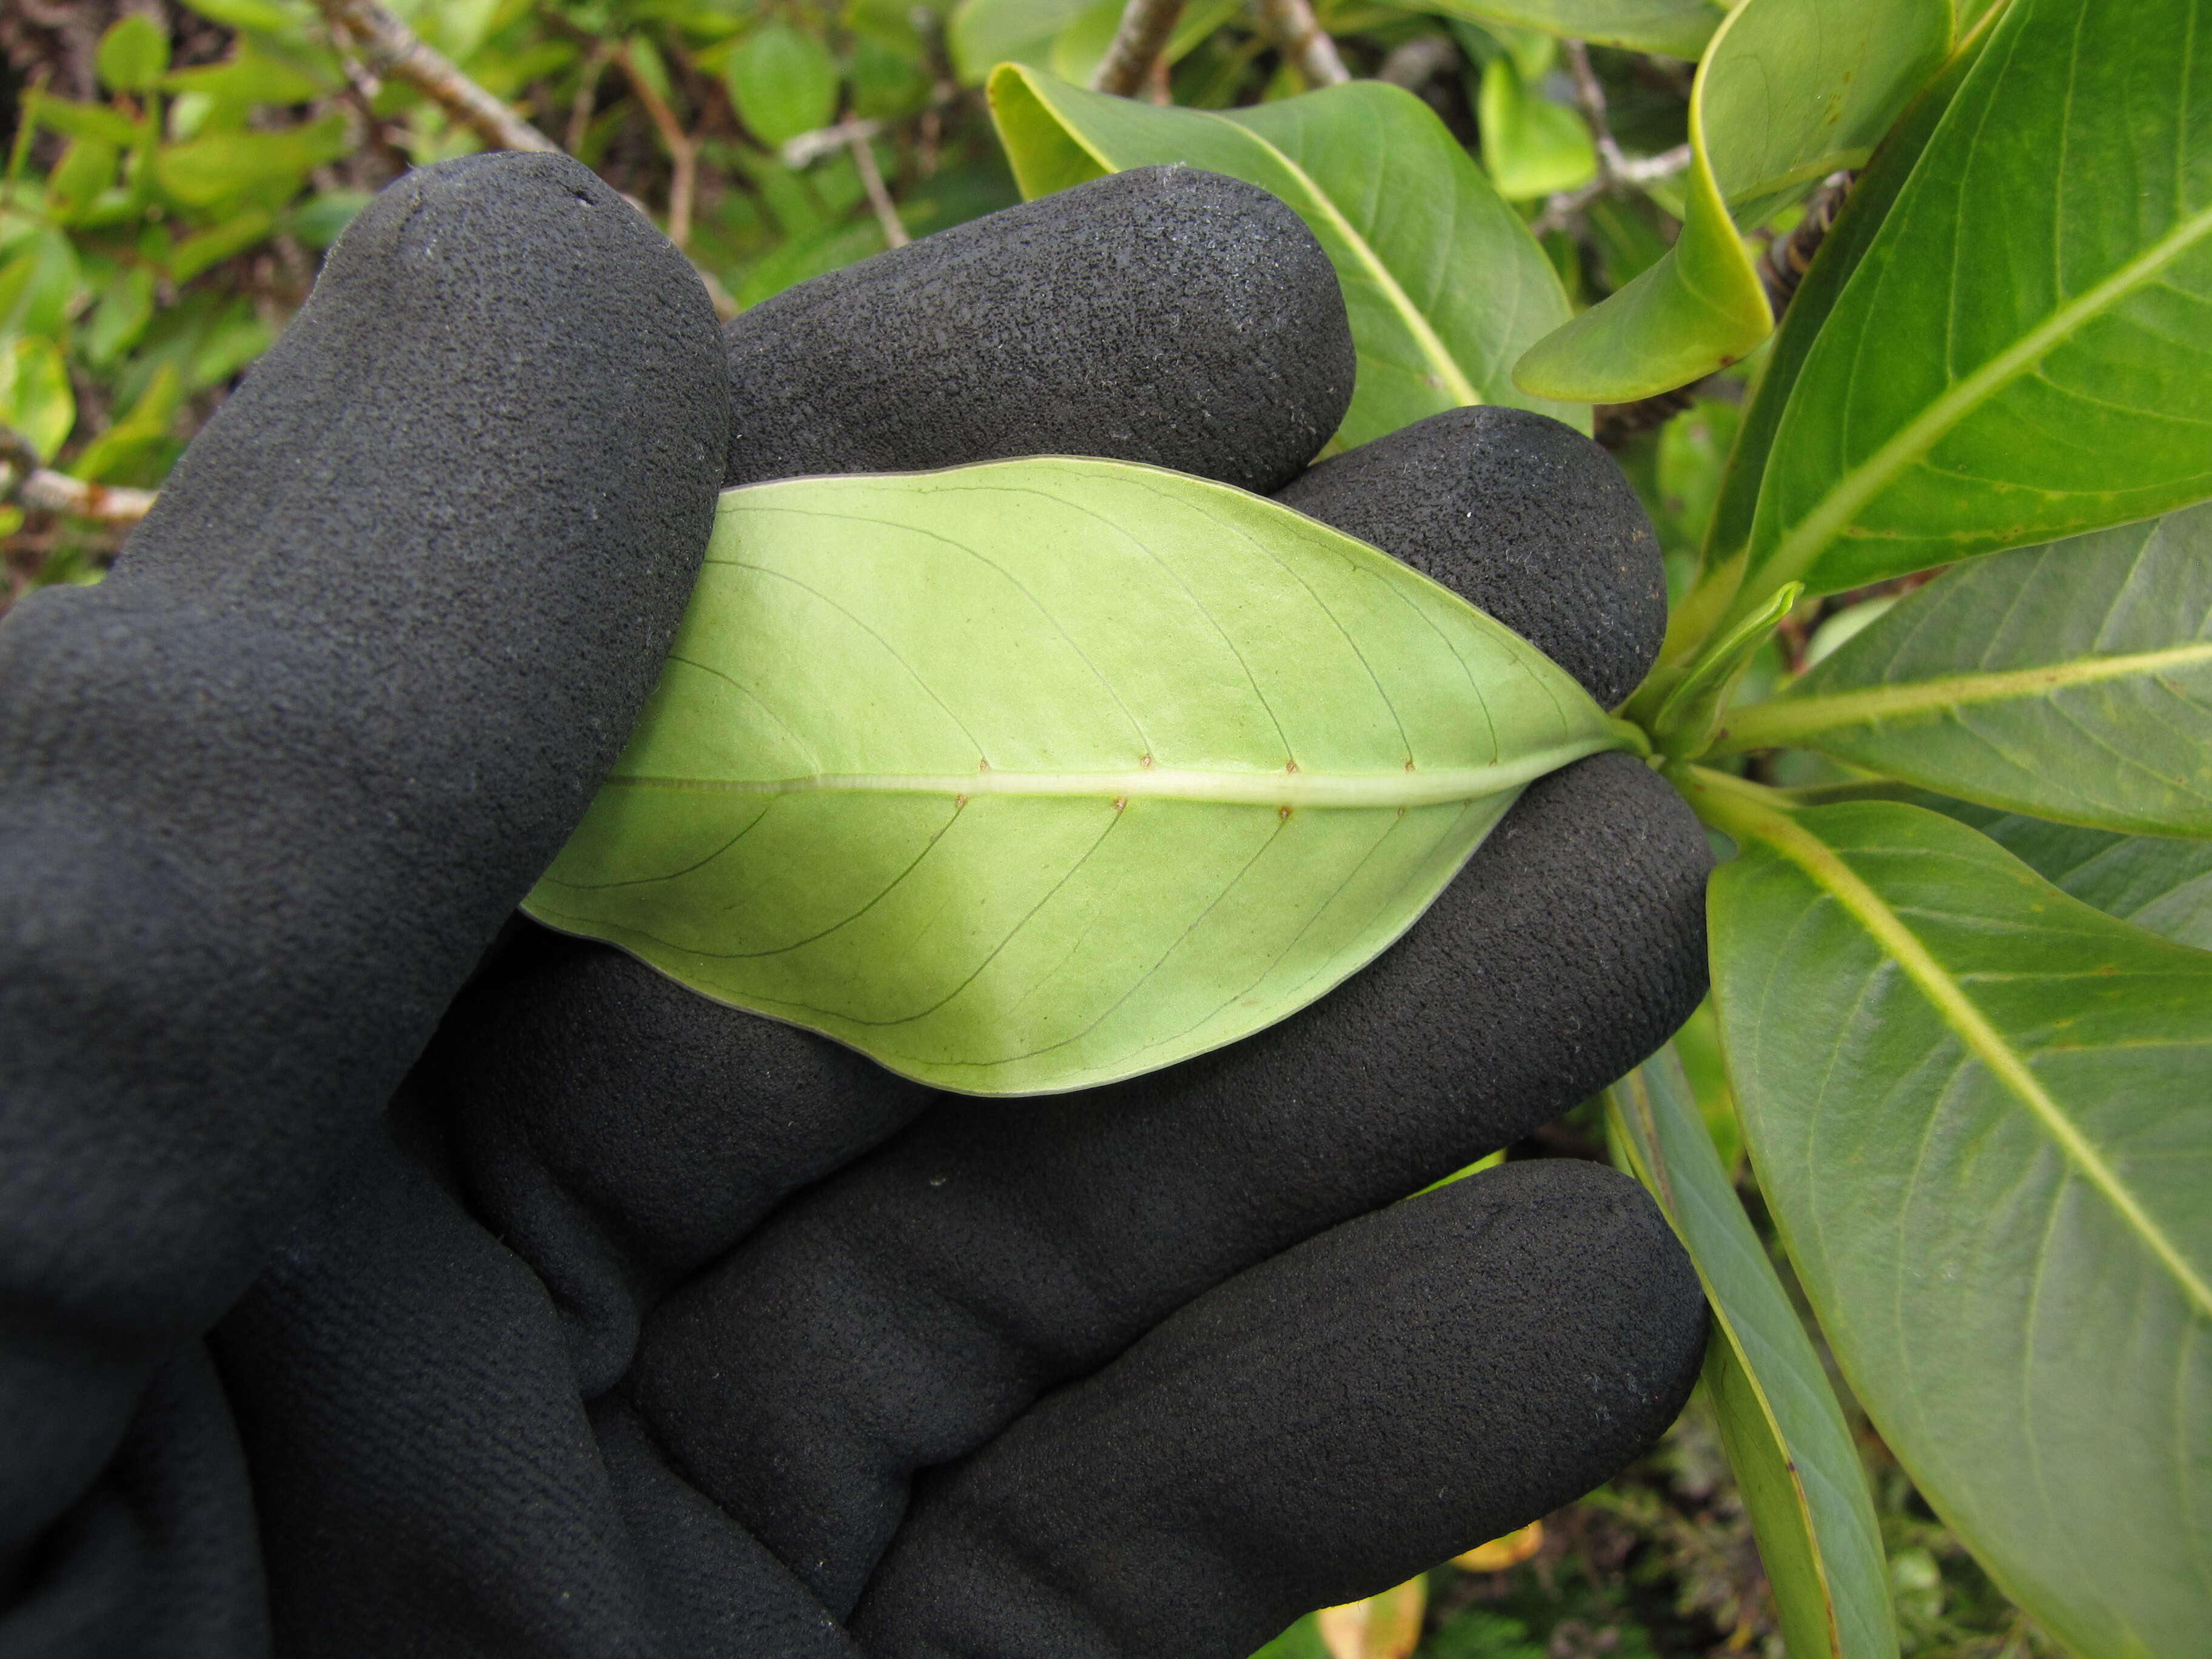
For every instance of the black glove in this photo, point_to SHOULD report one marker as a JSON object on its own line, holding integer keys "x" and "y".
{"x": 637, "y": 1325}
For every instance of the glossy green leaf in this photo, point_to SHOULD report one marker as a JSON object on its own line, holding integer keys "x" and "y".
{"x": 1788, "y": 92}
{"x": 132, "y": 55}
{"x": 984, "y": 33}
{"x": 1028, "y": 777}
{"x": 1783, "y": 1432}
{"x": 1079, "y": 47}
{"x": 1531, "y": 146}
{"x": 1728, "y": 534}
{"x": 781, "y": 82}
{"x": 1975, "y": 1107}
{"x": 35, "y": 397}
{"x": 1444, "y": 283}
{"x": 1674, "y": 28}
{"x": 2020, "y": 355}
{"x": 2073, "y": 682}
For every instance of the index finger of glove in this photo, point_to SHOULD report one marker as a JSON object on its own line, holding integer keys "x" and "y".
{"x": 267, "y": 791}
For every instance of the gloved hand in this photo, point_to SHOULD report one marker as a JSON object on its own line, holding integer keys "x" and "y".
{"x": 587, "y": 1317}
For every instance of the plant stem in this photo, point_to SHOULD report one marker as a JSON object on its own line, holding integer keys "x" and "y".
{"x": 42, "y": 489}
{"x": 683, "y": 149}
{"x": 1735, "y": 807}
{"x": 871, "y": 180}
{"x": 390, "y": 48}
{"x": 1305, "y": 42}
{"x": 1143, "y": 35}
{"x": 1783, "y": 266}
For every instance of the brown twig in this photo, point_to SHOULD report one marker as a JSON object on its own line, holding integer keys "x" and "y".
{"x": 361, "y": 90}
{"x": 871, "y": 180}
{"x": 580, "y": 107}
{"x": 1591, "y": 96}
{"x": 1138, "y": 43}
{"x": 1783, "y": 266}
{"x": 683, "y": 149}
{"x": 42, "y": 489}
{"x": 1561, "y": 210}
{"x": 1617, "y": 173}
{"x": 390, "y": 48}
{"x": 1305, "y": 42}
{"x": 804, "y": 150}
{"x": 1414, "y": 64}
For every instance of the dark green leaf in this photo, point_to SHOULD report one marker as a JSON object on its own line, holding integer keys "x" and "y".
{"x": 1444, "y": 283}
{"x": 1975, "y": 1108}
{"x": 1785, "y": 1435}
{"x": 1788, "y": 92}
{"x": 2153, "y": 881}
{"x": 2019, "y": 356}
{"x": 1728, "y": 533}
{"x": 2072, "y": 681}
{"x": 1028, "y": 777}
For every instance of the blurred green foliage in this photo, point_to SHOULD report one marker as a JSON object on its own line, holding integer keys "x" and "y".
{"x": 167, "y": 192}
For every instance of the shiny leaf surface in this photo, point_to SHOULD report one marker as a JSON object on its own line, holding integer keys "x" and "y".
{"x": 2020, "y": 355}
{"x": 1788, "y": 92}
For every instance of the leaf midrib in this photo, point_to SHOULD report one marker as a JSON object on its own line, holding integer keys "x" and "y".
{"x": 1787, "y": 718}
{"x": 1416, "y": 787}
{"x": 1795, "y": 552}
{"x": 1828, "y": 871}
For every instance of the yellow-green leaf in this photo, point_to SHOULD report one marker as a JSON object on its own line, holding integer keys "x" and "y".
{"x": 1028, "y": 777}
{"x": 1788, "y": 92}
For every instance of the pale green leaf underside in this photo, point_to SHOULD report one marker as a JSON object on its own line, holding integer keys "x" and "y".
{"x": 2072, "y": 681}
{"x": 2021, "y": 354}
{"x": 1785, "y": 1433}
{"x": 1028, "y": 777}
{"x": 1677, "y": 28}
{"x": 1443, "y": 283}
{"x": 1788, "y": 92}
{"x": 1975, "y": 1107}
